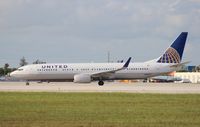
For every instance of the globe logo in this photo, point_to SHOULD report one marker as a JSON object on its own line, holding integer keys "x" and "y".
{"x": 170, "y": 56}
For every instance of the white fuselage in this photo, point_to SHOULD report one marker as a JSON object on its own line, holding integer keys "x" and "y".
{"x": 65, "y": 72}
{"x": 86, "y": 72}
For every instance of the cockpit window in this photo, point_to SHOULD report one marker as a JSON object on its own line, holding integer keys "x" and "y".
{"x": 20, "y": 69}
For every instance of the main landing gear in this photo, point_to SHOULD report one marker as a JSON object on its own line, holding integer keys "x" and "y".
{"x": 101, "y": 83}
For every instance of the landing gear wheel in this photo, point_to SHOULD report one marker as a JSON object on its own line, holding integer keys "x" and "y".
{"x": 101, "y": 83}
{"x": 27, "y": 83}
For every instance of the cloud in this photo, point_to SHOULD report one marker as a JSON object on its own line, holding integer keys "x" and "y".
{"x": 81, "y": 31}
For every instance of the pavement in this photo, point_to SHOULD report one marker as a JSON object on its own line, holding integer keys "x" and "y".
{"x": 167, "y": 88}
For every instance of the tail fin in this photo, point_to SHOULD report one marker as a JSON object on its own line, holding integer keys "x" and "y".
{"x": 174, "y": 53}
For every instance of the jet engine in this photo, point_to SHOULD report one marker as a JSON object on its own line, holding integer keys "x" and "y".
{"x": 82, "y": 78}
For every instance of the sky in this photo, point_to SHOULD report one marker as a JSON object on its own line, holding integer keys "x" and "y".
{"x": 70, "y": 31}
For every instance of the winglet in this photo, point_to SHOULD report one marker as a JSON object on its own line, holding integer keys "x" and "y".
{"x": 127, "y": 63}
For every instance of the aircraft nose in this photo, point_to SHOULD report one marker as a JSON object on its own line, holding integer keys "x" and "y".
{"x": 13, "y": 74}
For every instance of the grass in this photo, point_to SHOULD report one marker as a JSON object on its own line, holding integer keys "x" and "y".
{"x": 99, "y": 109}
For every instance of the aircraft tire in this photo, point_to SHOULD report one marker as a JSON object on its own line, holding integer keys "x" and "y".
{"x": 27, "y": 83}
{"x": 101, "y": 83}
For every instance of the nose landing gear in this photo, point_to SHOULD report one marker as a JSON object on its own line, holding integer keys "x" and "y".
{"x": 27, "y": 83}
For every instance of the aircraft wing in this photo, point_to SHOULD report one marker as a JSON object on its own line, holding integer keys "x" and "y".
{"x": 180, "y": 64}
{"x": 109, "y": 73}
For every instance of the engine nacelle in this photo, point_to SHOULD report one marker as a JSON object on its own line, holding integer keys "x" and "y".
{"x": 82, "y": 78}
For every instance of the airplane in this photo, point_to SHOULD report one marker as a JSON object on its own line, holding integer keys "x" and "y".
{"x": 88, "y": 72}
{"x": 166, "y": 79}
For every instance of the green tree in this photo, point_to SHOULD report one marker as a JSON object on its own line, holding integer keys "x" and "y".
{"x": 23, "y": 62}
{"x": 6, "y": 69}
{"x": 39, "y": 62}
{"x": 1, "y": 71}
{"x": 6, "y": 66}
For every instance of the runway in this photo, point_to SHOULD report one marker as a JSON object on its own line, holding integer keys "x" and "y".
{"x": 176, "y": 88}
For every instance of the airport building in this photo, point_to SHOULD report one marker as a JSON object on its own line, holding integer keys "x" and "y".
{"x": 193, "y": 77}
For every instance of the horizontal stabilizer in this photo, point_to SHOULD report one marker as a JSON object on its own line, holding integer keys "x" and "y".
{"x": 180, "y": 64}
